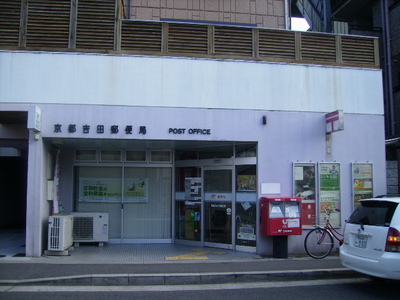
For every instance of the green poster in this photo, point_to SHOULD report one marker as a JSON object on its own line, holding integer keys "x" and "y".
{"x": 110, "y": 190}
{"x": 330, "y": 182}
{"x": 329, "y": 193}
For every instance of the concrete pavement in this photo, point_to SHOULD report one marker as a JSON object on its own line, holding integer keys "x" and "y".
{"x": 164, "y": 265}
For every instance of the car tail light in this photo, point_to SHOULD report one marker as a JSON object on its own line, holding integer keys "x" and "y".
{"x": 393, "y": 240}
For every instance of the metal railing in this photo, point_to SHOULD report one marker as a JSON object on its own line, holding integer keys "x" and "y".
{"x": 98, "y": 26}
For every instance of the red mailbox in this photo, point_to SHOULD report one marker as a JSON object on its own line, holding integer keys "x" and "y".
{"x": 281, "y": 216}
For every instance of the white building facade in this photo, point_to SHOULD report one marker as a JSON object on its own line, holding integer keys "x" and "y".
{"x": 160, "y": 120}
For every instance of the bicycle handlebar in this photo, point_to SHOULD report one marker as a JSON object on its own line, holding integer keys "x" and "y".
{"x": 327, "y": 210}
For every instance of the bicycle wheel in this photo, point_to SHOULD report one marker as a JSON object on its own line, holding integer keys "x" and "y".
{"x": 318, "y": 243}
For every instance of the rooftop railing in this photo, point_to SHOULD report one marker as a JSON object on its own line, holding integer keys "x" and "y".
{"x": 98, "y": 26}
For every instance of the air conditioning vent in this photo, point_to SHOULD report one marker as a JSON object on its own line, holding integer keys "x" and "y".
{"x": 83, "y": 228}
{"x": 90, "y": 227}
{"x": 60, "y": 232}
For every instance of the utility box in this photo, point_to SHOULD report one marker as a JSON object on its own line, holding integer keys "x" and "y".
{"x": 60, "y": 234}
{"x": 281, "y": 216}
{"x": 90, "y": 227}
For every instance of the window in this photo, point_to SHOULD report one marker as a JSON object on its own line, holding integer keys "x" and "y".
{"x": 216, "y": 152}
{"x": 246, "y": 205}
{"x": 110, "y": 155}
{"x": 135, "y": 156}
{"x": 377, "y": 213}
{"x": 160, "y": 156}
{"x": 247, "y": 150}
{"x": 85, "y": 155}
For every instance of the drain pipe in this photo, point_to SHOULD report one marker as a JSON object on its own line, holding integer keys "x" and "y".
{"x": 287, "y": 22}
{"x": 129, "y": 9}
{"x": 387, "y": 67}
{"x": 327, "y": 16}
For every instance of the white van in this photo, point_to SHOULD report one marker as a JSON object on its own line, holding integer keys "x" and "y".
{"x": 372, "y": 238}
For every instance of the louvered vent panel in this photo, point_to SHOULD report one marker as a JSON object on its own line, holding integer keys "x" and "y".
{"x": 10, "y": 11}
{"x": 141, "y": 36}
{"x": 95, "y": 24}
{"x": 279, "y": 44}
{"x": 48, "y": 23}
{"x": 318, "y": 47}
{"x": 83, "y": 228}
{"x": 55, "y": 234}
{"x": 358, "y": 50}
{"x": 233, "y": 41}
{"x": 188, "y": 38}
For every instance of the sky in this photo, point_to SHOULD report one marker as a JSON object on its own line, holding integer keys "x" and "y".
{"x": 299, "y": 24}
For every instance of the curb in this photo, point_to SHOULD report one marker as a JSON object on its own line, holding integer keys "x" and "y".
{"x": 186, "y": 278}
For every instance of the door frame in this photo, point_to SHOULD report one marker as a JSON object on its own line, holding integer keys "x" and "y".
{"x": 233, "y": 207}
{"x": 214, "y": 164}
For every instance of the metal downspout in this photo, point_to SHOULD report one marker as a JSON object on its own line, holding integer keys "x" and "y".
{"x": 327, "y": 16}
{"x": 387, "y": 69}
{"x": 287, "y": 23}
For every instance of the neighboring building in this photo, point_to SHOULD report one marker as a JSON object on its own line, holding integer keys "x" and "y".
{"x": 267, "y": 13}
{"x": 380, "y": 18}
{"x": 177, "y": 129}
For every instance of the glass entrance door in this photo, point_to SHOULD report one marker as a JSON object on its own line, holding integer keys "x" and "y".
{"x": 218, "y": 198}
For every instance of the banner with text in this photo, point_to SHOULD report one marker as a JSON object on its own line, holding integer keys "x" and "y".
{"x": 110, "y": 190}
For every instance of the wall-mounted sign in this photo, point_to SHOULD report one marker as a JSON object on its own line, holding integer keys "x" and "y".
{"x": 334, "y": 121}
{"x": 201, "y": 131}
{"x": 99, "y": 129}
{"x": 304, "y": 187}
{"x": 329, "y": 192}
{"x": 362, "y": 178}
{"x": 34, "y": 118}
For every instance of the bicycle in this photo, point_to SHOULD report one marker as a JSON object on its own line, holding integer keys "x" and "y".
{"x": 319, "y": 241}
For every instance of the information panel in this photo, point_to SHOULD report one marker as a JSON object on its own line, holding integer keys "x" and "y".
{"x": 329, "y": 192}
{"x": 304, "y": 188}
{"x": 362, "y": 178}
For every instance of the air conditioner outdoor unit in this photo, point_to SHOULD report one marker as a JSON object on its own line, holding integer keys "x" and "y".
{"x": 60, "y": 232}
{"x": 90, "y": 227}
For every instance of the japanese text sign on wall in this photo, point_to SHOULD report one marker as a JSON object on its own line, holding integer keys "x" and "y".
{"x": 100, "y": 129}
{"x": 109, "y": 190}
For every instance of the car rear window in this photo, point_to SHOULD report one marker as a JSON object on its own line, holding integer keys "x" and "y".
{"x": 377, "y": 213}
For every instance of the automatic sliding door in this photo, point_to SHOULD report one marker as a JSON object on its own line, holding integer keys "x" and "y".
{"x": 218, "y": 199}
